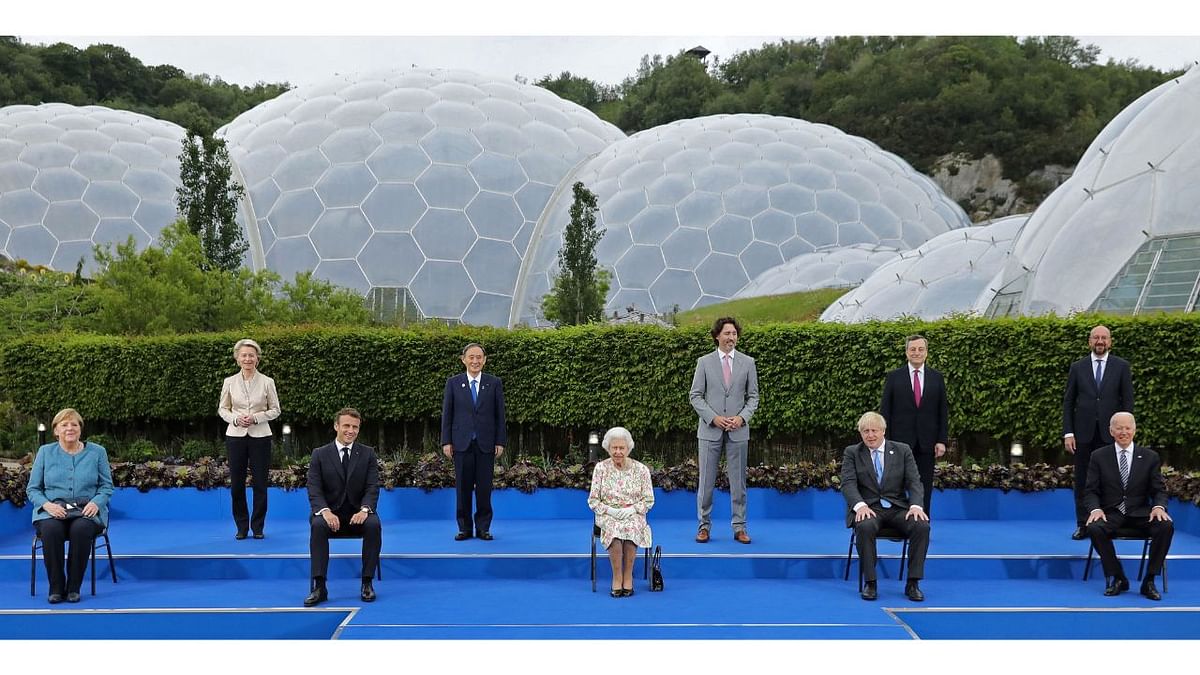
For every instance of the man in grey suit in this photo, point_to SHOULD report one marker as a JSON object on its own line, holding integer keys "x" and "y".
{"x": 882, "y": 487}
{"x": 725, "y": 396}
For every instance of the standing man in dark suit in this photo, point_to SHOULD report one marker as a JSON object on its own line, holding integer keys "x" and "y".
{"x": 915, "y": 409}
{"x": 725, "y": 395}
{"x": 882, "y": 487}
{"x": 343, "y": 489}
{"x": 474, "y": 436}
{"x": 1125, "y": 490}
{"x": 1098, "y": 385}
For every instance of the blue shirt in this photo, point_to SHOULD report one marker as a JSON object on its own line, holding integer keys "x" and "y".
{"x": 83, "y": 477}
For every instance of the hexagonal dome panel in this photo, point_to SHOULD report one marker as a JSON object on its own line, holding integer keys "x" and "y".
{"x": 63, "y": 168}
{"x": 833, "y": 268}
{"x": 449, "y": 156}
{"x": 764, "y": 189}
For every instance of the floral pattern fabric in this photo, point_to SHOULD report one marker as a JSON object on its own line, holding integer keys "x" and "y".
{"x": 614, "y": 488}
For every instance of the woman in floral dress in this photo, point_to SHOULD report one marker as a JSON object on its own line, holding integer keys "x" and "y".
{"x": 621, "y": 496}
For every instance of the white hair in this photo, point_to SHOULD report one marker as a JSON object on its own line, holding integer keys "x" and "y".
{"x": 617, "y": 432}
{"x": 247, "y": 342}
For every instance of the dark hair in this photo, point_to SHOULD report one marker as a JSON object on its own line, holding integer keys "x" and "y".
{"x": 347, "y": 411}
{"x": 719, "y": 325}
{"x": 915, "y": 336}
{"x": 473, "y": 344}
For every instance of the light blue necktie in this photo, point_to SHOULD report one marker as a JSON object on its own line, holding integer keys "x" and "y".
{"x": 877, "y": 456}
{"x": 474, "y": 393}
{"x": 1099, "y": 373}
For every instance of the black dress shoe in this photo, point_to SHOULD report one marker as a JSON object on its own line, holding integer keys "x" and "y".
{"x": 239, "y": 536}
{"x": 1118, "y": 585}
{"x": 462, "y": 536}
{"x": 55, "y": 598}
{"x": 627, "y": 592}
{"x": 869, "y": 591}
{"x": 368, "y": 593}
{"x": 912, "y": 591}
{"x": 1079, "y": 533}
{"x": 1150, "y": 590}
{"x": 486, "y": 536}
{"x": 318, "y": 595}
{"x": 617, "y": 593}
{"x": 73, "y": 596}
{"x": 259, "y": 535}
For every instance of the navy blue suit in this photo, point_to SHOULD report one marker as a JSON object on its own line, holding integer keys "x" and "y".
{"x": 474, "y": 430}
{"x": 1087, "y": 412}
{"x": 920, "y": 428}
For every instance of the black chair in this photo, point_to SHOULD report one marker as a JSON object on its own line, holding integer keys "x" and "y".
{"x": 37, "y": 545}
{"x": 1128, "y": 534}
{"x": 342, "y": 534}
{"x": 889, "y": 533}
{"x": 596, "y": 537}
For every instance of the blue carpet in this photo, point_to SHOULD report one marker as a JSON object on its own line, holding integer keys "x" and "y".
{"x": 1052, "y": 624}
{"x": 171, "y": 625}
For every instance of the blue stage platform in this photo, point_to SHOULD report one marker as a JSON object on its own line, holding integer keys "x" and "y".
{"x": 991, "y": 554}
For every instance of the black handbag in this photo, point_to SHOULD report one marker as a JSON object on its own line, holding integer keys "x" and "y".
{"x": 656, "y": 578}
{"x": 73, "y": 509}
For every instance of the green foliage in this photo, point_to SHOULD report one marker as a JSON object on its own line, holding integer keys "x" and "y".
{"x": 790, "y": 307}
{"x": 208, "y": 198}
{"x": 1005, "y": 378}
{"x": 108, "y": 75}
{"x": 173, "y": 289}
{"x": 581, "y": 90}
{"x": 577, "y": 296}
{"x": 36, "y": 299}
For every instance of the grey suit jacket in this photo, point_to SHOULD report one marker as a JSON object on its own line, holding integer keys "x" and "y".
{"x": 901, "y": 481}
{"x": 710, "y": 397}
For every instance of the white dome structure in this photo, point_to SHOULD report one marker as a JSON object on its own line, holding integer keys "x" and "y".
{"x": 832, "y": 268}
{"x": 697, "y": 208}
{"x": 1123, "y": 233}
{"x": 944, "y": 276}
{"x": 424, "y": 183}
{"x": 72, "y": 177}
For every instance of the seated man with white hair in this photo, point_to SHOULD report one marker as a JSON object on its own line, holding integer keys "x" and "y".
{"x": 621, "y": 496}
{"x": 1125, "y": 490}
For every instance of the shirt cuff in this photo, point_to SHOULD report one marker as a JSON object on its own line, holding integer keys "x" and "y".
{"x": 1070, "y": 435}
{"x": 856, "y": 506}
{"x": 322, "y": 510}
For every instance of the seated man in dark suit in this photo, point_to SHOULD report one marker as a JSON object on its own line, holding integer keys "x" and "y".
{"x": 882, "y": 487}
{"x": 1125, "y": 490}
{"x": 343, "y": 489}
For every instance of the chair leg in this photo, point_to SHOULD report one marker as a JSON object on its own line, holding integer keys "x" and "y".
{"x": 1087, "y": 567}
{"x": 903, "y": 559}
{"x": 646, "y": 564}
{"x": 379, "y": 569}
{"x": 1164, "y": 576}
{"x": 593, "y": 563}
{"x": 1142, "y": 562}
{"x": 33, "y": 567}
{"x": 849, "y": 557}
{"x": 108, "y": 550}
{"x": 93, "y": 561}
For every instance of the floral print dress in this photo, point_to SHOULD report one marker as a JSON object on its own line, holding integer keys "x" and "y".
{"x": 613, "y": 488}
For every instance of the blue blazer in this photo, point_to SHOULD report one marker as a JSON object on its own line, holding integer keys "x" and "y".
{"x": 461, "y": 418}
{"x": 85, "y": 477}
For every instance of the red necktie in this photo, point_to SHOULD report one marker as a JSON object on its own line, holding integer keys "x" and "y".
{"x": 917, "y": 388}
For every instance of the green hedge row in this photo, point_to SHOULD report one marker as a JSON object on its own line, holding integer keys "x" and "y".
{"x": 1005, "y": 377}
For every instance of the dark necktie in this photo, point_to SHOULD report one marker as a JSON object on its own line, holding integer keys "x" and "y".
{"x": 345, "y": 460}
{"x": 1123, "y": 456}
{"x": 1099, "y": 373}
{"x": 474, "y": 394}
{"x": 917, "y": 388}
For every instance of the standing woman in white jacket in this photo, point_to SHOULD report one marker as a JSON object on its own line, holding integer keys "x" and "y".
{"x": 248, "y": 403}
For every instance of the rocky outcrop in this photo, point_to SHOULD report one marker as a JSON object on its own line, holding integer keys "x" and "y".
{"x": 980, "y": 188}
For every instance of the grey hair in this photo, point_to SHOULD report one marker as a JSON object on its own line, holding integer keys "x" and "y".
{"x": 470, "y": 345}
{"x": 872, "y": 416}
{"x": 617, "y": 432}
{"x": 247, "y": 342}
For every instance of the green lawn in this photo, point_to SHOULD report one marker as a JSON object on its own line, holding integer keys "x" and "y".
{"x": 793, "y": 307}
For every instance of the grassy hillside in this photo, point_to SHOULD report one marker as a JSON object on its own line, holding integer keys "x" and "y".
{"x": 793, "y": 307}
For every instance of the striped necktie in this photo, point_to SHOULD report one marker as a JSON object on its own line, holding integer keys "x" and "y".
{"x": 1123, "y": 464}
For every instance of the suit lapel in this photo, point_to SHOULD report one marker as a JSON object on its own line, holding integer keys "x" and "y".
{"x": 870, "y": 464}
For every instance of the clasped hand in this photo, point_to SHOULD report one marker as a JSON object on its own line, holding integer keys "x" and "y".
{"x": 622, "y": 512}
{"x": 59, "y": 512}
{"x": 728, "y": 423}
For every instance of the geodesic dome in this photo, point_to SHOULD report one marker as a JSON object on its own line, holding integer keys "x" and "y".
{"x": 832, "y": 268}
{"x": 943, "y": 276}
{"x": 1123, "y": 233}
{"x": 425, "y": 182}
{"x": 697, "y": 208}
{"x": 72, "y": 177}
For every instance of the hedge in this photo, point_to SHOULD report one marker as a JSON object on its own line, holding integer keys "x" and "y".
{"x": 1005, "y": 378}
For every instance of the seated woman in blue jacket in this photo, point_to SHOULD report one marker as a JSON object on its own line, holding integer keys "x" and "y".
{"x": 69, "y": 487}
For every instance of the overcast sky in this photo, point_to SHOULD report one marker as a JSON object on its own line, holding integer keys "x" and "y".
{"x": 277, "y": 41}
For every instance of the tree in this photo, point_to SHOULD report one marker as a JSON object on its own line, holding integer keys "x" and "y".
{"x": 208, "y": 200}
{"x": 579, "y": 289}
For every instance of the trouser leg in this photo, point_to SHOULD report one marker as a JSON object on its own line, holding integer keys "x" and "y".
{"x": 735, "y": 470}
{"x": 318, "y": 547}
{"x": 1161, "y": 532}
{"x": 81, "y": 532}
{"x": 1083, "y": 455}
{"x": 925, "y": 466}
{"x": 865, "y": 532}
{"x": 239, "y": 456}
{"x": 918, "y": 540}
{"x": 709, "y": 460}
{"x": 1101, "y": 533}
{"x": 54, "y": 536}
{"x": 260, "y": 466}
{"x": 485, "y": 466}
{"x": 464, "y": 488}
{"x": 372, "y": 544}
